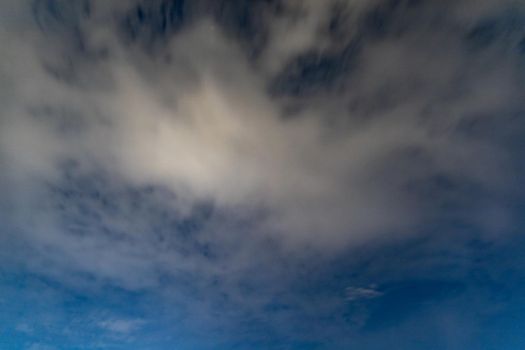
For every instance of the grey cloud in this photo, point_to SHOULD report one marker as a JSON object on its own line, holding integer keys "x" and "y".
{"x": 369, "y": 153}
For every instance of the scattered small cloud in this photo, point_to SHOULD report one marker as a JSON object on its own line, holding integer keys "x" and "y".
{"x": 362, "y": 293}
{"x": 24, "y": 328}
{"x": 121, "y": 326}
{"x": 40, "y": 346}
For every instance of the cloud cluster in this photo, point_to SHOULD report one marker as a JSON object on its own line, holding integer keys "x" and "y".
{"x": 223, "y": 155}
{"x": 354, "y": 121}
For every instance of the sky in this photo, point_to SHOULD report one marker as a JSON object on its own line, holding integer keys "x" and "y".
{"x": 262, "y": 174}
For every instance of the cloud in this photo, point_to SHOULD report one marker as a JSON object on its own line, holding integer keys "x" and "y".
{"x": 40, "y": 346}
{"x": 138, "y": 155}
{"x": 362, "y": 293}
{"x": 203, "y": 125}
{"x": 121, "y": 326}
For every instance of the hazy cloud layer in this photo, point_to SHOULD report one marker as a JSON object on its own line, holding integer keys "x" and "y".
{"x": 143, "y": 144}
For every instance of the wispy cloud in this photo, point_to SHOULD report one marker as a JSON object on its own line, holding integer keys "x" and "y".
{"x": 40, "y": 346}
{"x": 121, "y": 327}
{"x": 199, "y": 153}
{"x": 362, "y": 293}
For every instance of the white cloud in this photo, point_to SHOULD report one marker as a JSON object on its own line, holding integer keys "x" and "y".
{"x": 362, "y": 293}
{"x": 40, "y": 346}
{"x": 121, "y": 326}
{"x": 197, "y": 119}
{"x": 24, "y": 328}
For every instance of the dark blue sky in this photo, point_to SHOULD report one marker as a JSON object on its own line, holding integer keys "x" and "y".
{"x": 265, "y": 174}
